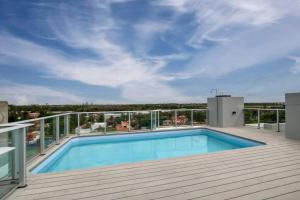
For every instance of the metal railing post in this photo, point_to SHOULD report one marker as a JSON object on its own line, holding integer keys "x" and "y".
{"x": 129, "y": 122}
{"x": 15, "y": 142}
{"x": 158, "y": 119}
{"x": 67, "y": 125}
{"x": 175, "y": 117}
{"x": 192, "y": 117}
{"x": 151, "y": 119}
{"x": 22, "y": 158}
{"x": 277, "y": 120}
{"x": 207, "y": 117}
{"x": 78, "y": 124}
{"x": 155, "y": 119}
{"x": 105, "y": 124}
{"x": 57, "y": 129}
{"x": 258, "y": 118}
{"x": 42, "y": 136}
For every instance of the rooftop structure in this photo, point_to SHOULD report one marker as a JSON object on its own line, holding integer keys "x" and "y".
{"x": 269, "y": 171}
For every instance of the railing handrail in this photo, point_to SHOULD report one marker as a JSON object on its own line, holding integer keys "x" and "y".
{"x": 267, "y": 109}
{"x": 132, "y": 111}
{"x": 38, "y": 119}
{"x": 97, "y": 112}
{"x": 13, "y": 127}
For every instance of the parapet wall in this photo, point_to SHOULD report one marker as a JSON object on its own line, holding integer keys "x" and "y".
{"x": 3, "y": 112}
{"x": 292, "y": 115}
{"x": 225, "y": 111}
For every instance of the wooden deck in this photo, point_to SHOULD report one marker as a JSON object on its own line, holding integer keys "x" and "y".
{"x": 271, "y": 171}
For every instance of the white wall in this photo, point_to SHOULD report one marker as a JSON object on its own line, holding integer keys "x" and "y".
{"x": 225, "y": 111}
{"x": 212, "y": 112}
{"x": 292, "y": 115}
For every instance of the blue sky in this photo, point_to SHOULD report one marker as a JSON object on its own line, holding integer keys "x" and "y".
{"x": 154, "y": 51}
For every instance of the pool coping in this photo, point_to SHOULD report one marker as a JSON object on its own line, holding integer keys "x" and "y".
{"x": 39, "y": 159}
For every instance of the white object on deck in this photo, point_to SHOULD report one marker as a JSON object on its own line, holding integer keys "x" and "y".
{"x": 98, "y": 125}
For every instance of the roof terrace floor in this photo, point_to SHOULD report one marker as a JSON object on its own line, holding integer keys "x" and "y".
{"x": 270, "y": 171}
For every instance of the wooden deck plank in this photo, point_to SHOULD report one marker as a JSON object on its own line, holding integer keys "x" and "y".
{"x": 294, "y": 195}
{"x": 265, "y": 172}
{"x": 178, "y": 191}
{"x": 270, "y": 189}
{"x": 133, "y": 184}
{"x": 170, "y": 171}
{"x": 183, "y": 163}
{"x": 214, "y": 168}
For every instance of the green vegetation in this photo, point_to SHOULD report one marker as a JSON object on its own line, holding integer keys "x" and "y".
{"x": 266, "y": 116}
{"x": 18, "y": 113}
{"x": 139, "y": 120}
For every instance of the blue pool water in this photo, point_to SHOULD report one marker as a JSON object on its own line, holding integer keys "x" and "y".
{"x": 87, "y": 152}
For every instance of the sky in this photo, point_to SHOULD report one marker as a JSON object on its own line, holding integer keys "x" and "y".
{"x": 147, "y": 51}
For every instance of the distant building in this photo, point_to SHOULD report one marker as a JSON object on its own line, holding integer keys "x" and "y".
{"x": 181, "y": 120}
{"x": 124, "y": 126}
{"x": 33, "y": 115}
{"x": 167, "y": 122}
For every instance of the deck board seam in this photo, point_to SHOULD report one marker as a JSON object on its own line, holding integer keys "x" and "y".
{"x": 198, "y": 184}
{"x": 229, "y": 163}
{"x": 156, "y": 180}
{"x": 201, "y": 189}
{"x": 262, "y": 190}
{"x": 227, "y": 167}
{"x": 281, "y": 195}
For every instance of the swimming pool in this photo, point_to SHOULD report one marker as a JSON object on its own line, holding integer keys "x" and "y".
{"x": 88, "y": 152}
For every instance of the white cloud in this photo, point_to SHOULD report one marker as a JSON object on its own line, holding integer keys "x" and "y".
{"x": 90, "y": 30}
{"x": 247, "y": 33}
{"x": 155, "y": 92}
{"x": 146, "y": 31}
{"x": 216, "y": 19}
{"x": 32, "y": 94}
{"x": 296, "y": 67}
{"x": 247, "y": 49}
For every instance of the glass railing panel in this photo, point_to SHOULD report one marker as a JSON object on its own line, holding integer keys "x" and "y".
{"x": 7, "y": 178}
{"x": 85, "y": 123}
{"x": 73, "y": 123}
{"x": 268, "y": 119}
{"x": 49, "y": 132}
{"x": 97, "y": 124}
{"x": 116, "y": 122}
{"x": 251, "y": 117}
{"x": 33, "y": 147}
{"x": 268, "y": 116}
{"x": 8, "y": 168}
{"x": 92, "y": 123}
{"x": 62, "y": 133}
{"x": 265, "y": 118}
{"x": 199, "y": 117}
{"x": 166, "y": 119}
{"x": 183, "y": 118}
{"x": 281, "y": 116}
{"x": 140, "y": 121}
{"x": 5, "y": 139}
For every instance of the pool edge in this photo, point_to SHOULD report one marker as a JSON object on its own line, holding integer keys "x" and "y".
{"x": 53, "y": 150}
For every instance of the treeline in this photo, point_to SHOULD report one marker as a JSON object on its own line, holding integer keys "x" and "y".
{"x": 108, "y": 107}
{"x": 17, "y": 113}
